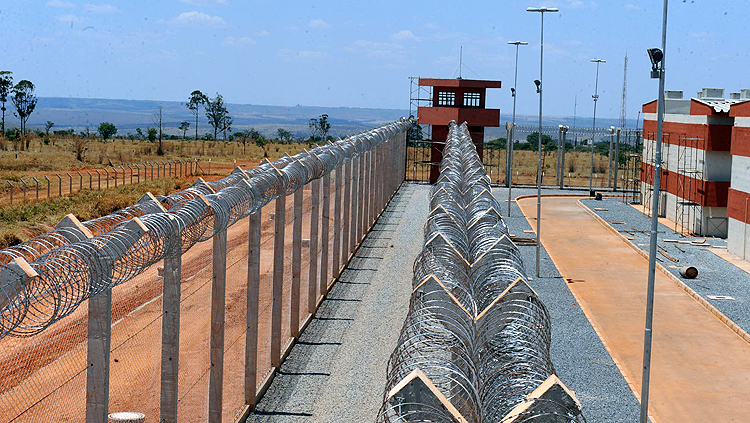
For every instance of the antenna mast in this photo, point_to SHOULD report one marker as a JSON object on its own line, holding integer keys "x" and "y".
{"x": 623, "y": 104}
{"x": 460, "y": 61}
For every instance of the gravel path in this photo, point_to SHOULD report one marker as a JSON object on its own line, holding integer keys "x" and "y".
{"x": 336, "y": 373}
{"x": 578, "y": 354}
{"x": 716, "y": 276}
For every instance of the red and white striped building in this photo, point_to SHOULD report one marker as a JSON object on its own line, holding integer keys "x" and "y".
{"x": 696, "y": 158}
{"x": 739, "y": 193}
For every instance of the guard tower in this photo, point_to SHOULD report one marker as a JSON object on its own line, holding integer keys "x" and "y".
{"x": 462, "y": 100}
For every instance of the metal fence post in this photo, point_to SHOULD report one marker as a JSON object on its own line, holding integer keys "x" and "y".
{"x": 123, "y": 174}
{"x": 80, "y": 181}
{"x": 11, "y": 192}
{"x": 37, "y": 187}
{"x": 218, "y": 305}
{"x": 49, "y": 184}
{"x": 296, "y": 262}
{"x": 312, "y": 278}
{"x": 24, "y": 189}
{"x": 98, "y": 180}
{"x": 59, "y": 185}
{"x": 278, "y": 280}
{"x": 253, "y": 290}
{"x": 361, "y": 198}
{"x": 324, "y": 233}
{"x": 91, "y": 186}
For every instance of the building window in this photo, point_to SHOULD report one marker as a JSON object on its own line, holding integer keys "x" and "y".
{"x": 472, "y": 99}
{"x": 446, "y": 98}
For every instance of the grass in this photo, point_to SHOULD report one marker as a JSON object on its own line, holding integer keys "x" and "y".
{"x": 21, "y": 222}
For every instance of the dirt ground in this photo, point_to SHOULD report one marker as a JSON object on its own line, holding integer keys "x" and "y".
{"x": 44, "y": 375}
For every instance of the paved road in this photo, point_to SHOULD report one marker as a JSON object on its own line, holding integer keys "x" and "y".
{"x": 701, "y": 368}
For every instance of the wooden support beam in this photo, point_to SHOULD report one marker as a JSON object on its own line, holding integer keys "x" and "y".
{"x": 253, "y": 292}
{"x": 218, "y": 306}
{"x": 312, "y": 276}
{"x": 325, "y": 233}
{"x": 362, "y": 197}
{"x": 296, "y": 262}
{"x": 278, "y": 280}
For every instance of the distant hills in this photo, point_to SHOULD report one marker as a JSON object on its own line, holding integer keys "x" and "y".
{"x": 127, "y": 115}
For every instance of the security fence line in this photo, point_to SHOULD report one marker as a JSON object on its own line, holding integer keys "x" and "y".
{"x": 114, "y": 175}
{"x": 475, "y": 346}
{"x": 46, "y": 278}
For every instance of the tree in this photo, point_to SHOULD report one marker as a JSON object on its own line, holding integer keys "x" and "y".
{"x": 415, "y": 131}
{"x": 226, "y": 125}
{"x": 195, "y": 101}
{"x": 548, "y": 144}
{"x": 25, "y": 101}
{"x": 284, "y": 135}
{"x": 217, "y": 114}
{"x": 6, "y": 82}
{"x": 158, "y": 117}
{"x": 107, "y": 130}
{"x": 151, "y": 134}
{"x": 259, "y": 140}
{"x": 319, "y": 127}
{"x": 184, "y": 126}
{"x": 241, "y": 136}
{"x": 48, "y": 126}
{"x": 139, "y": 133}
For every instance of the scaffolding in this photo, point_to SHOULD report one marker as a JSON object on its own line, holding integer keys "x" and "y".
{"x": 649, "y": 157}
{"x": 691, "y": 155}
{"x": 418, "y": 152}
{"x": 632, "y": 178}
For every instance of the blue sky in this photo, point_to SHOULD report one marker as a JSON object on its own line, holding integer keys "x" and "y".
{"x": 360, "y": 54}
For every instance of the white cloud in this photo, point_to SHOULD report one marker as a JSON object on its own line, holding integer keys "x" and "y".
{"x": 261, "y": 34}
{"x": 319, "y": 24}
{"x": 198, "y": 18}
{"x": 61, "y": 4}
{"x": 404, "y": 35}
{"x": 238, "y": 42}
{"x": 575, "y": 4}
{"x": 71, "y": 19}
{"x": 631, "y": 6}
{"x": 204, "y": 2}
{"x": 101, "y": 8}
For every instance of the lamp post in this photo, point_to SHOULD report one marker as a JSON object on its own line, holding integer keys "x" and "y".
{"x": 509, "y": 143}
{"x": 609, "y": 159}
{"x": 538, "y": 83}
{"x": 593, "y": 126}
{"x": 657, "y": 71}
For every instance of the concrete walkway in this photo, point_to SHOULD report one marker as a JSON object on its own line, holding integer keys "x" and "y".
{"x": 337, "y": 372}
{"x": 700, "y": 367}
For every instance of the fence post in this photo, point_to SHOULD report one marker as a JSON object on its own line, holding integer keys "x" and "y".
{"x": 11, "y": 192}
{"x": 361, "y": 198}
{"x": 312, "y": 286}
{"x": 336, "y": 258}
{"x": 37, "y": 187}
{"x": 325, "y": 233}
{"x": 367, "y": 204}
{"x": 80, "y": 181}
{"x": 346, "y": 217}
{"x": 218, "y": 305}
{"x": 253, "y": 290}
{"x": 98, "y": 180}
{"x": 123, "y": 174}
{"x": 59, "y": 185}
{"x": 353, "y": 217}
{"x": 278, "y": 280}
{"x": 24, "y": 189}
{"x": 91, "y": 185}
{"x": 48, "y": 186}
{"x": 296, "y": 262}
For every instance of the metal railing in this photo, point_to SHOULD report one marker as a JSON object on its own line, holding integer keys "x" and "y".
{"x": 47, "y": 278}
{"x": 475, "y": 346}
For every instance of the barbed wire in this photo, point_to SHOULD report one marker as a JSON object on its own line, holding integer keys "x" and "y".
{"x": 475, "y": 345}
{"x": 46, "y": 278}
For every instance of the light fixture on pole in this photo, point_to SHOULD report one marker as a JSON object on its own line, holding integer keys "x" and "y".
{"x": 509, "y": 142}
{"x": 538, "y": 83}
{"x": 593, "y": 126}
{"x": 657, "y": 71}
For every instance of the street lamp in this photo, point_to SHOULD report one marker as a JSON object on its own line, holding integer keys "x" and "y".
{"x": 657, "y": 71}
{"x": 593, "y": 126}
{"x": 538, "y": 83}
{"x": 509, "y": 143}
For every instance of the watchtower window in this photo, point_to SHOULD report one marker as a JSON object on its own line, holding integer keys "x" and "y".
{"x": 446, "y": 98}
{"x": 472, "y": 99}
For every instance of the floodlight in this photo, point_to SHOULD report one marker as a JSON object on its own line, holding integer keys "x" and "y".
{"x": 512, "y": 91}
{"x": 656, "y": 56}
{"x": 538, "y": 85}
